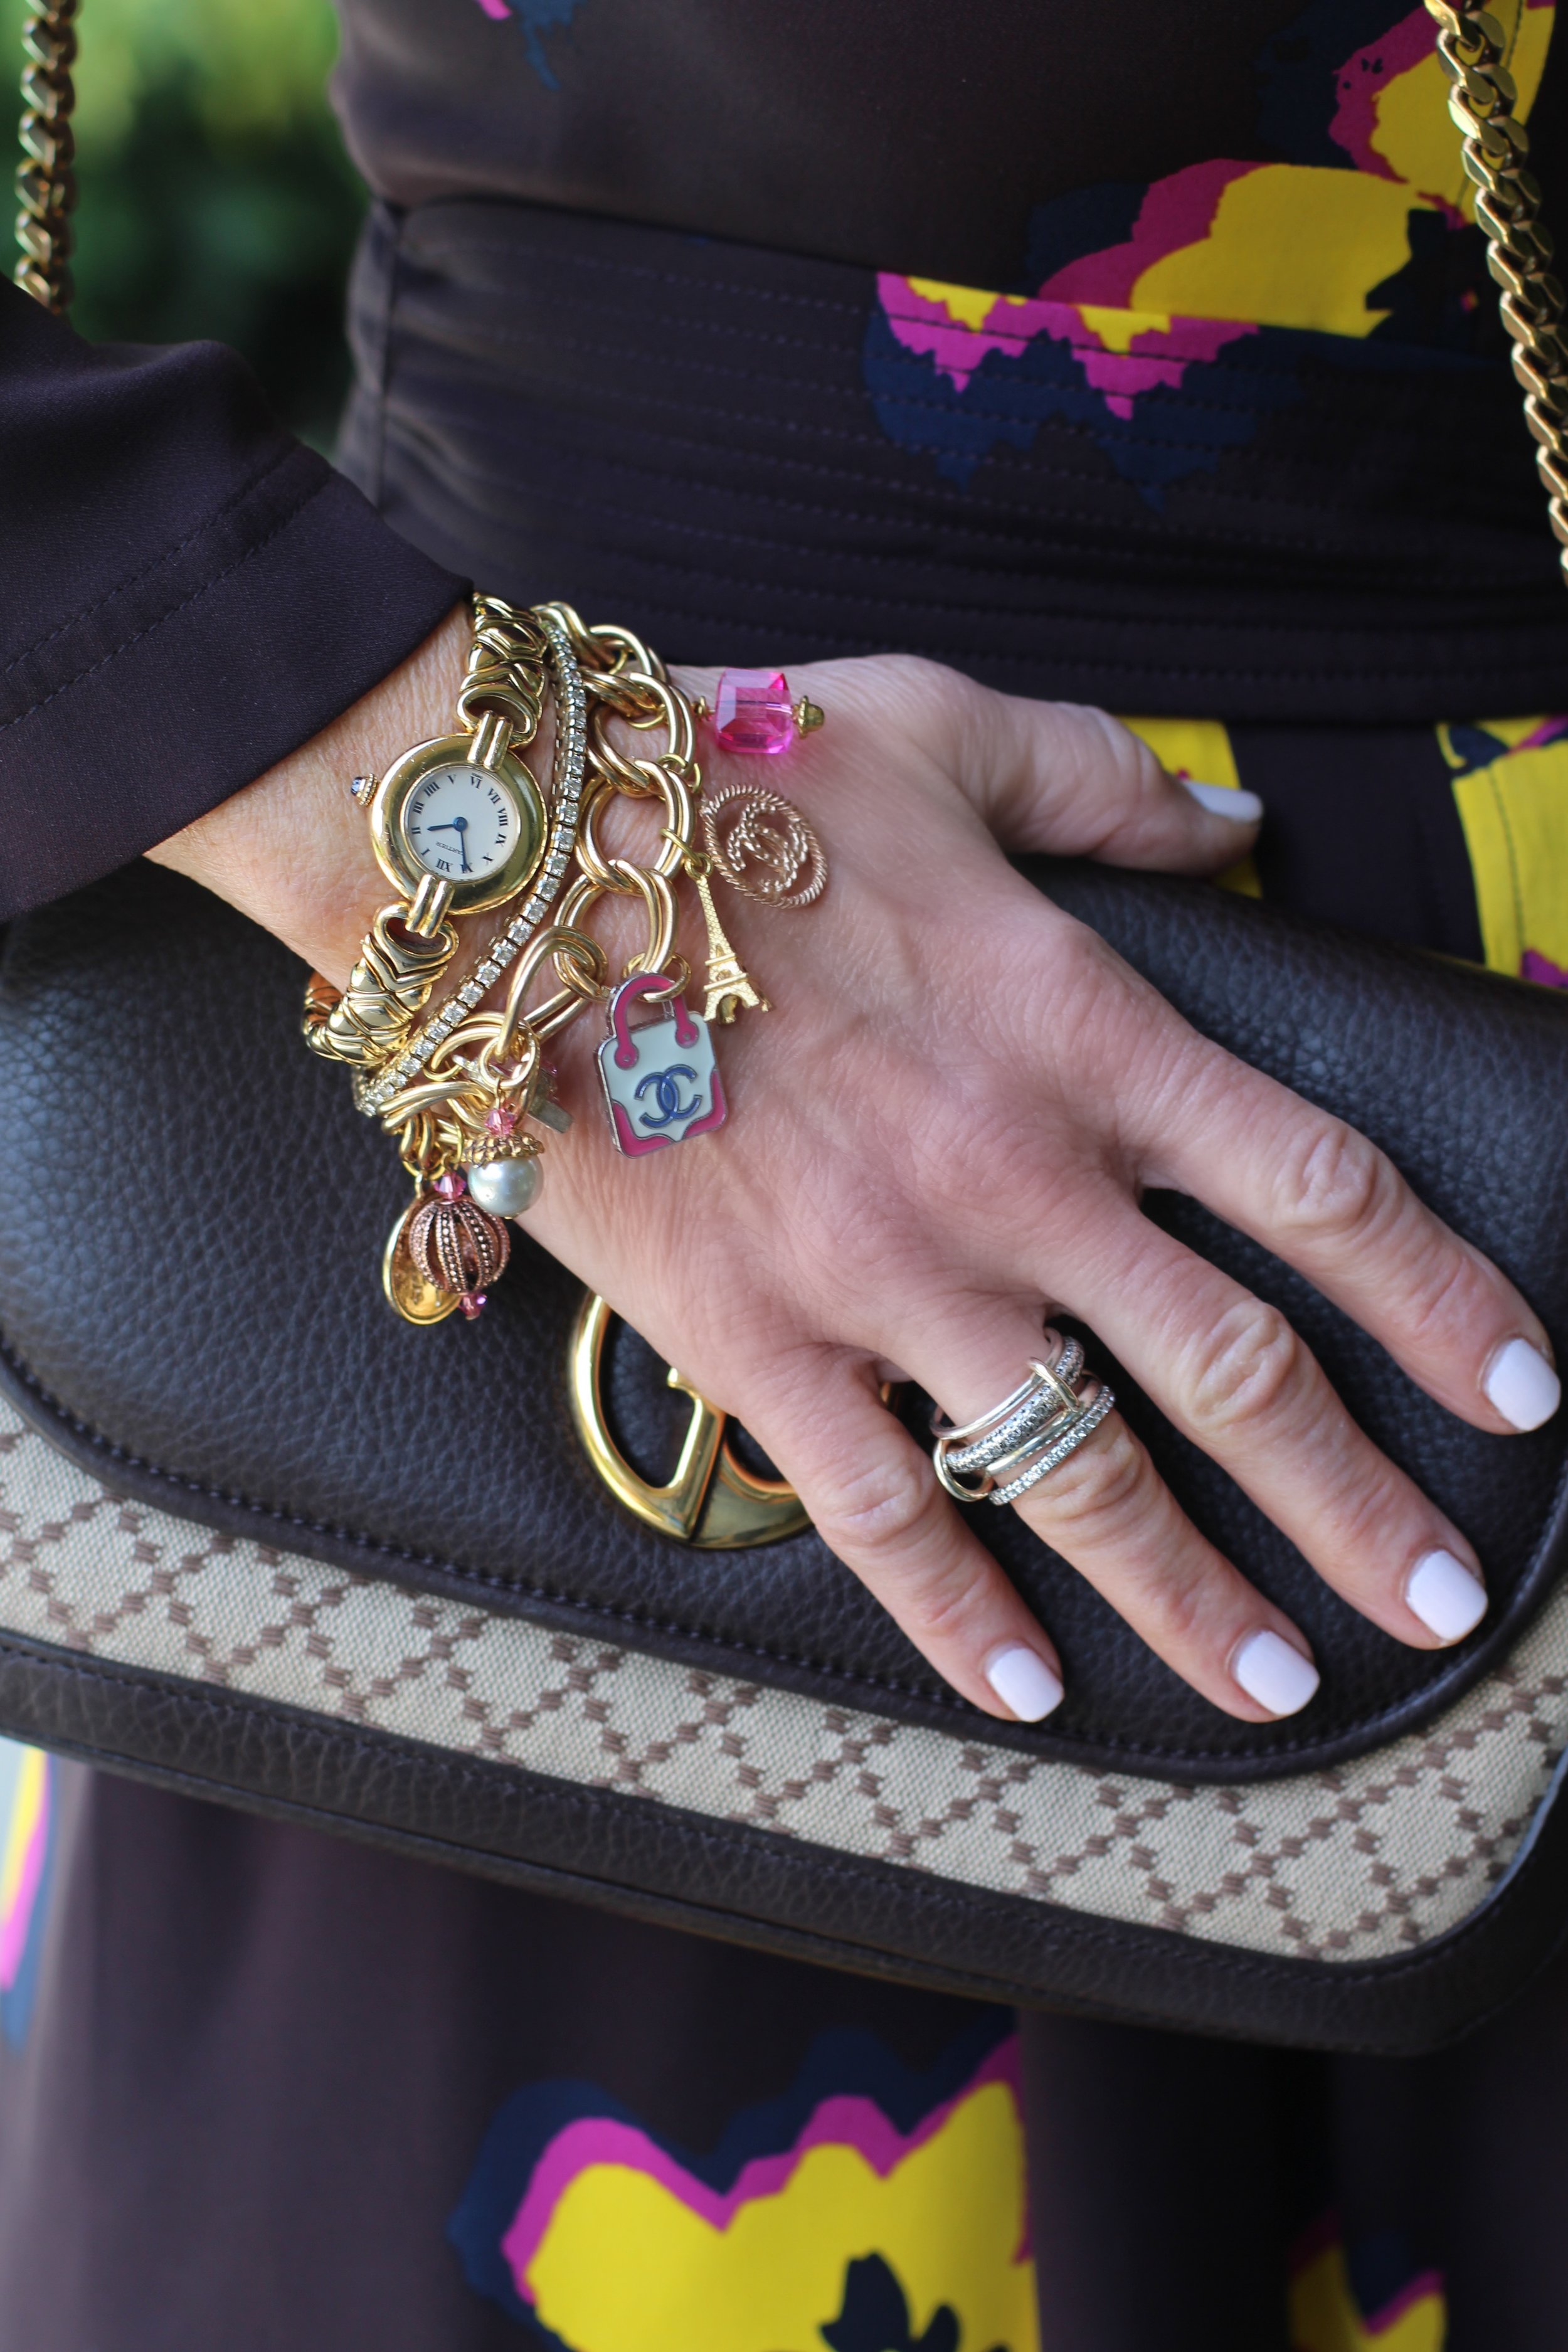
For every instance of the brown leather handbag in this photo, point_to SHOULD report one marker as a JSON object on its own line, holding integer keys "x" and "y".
{"x": 264, "y": 1543}
{"x": 251, "y": 1549}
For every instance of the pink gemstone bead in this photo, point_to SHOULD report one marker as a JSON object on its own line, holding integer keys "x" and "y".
{"x": 451, "y": 1187}
{"x": 501, "y": 1120}
{"x": 753, "y": 712}
{"x": 472, "y": 1303}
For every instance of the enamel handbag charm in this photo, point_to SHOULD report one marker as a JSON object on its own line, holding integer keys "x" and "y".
{"x": 661, "y": 1083}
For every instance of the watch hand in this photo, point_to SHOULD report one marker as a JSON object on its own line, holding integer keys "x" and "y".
{"x": 459, "y": 826}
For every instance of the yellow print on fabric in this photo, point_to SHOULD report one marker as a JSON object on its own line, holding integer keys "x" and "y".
{"x": 1324, "y": 2316}
{"x": 1212, "y": 276}
{"x": 1271, "y": 245}
{"x": 1511, "y": 786}
{"x": 867, "y": 2211}
{"x": 769, "y": 2279}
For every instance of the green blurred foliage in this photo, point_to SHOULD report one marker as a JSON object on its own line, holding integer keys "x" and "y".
{"x": 216, "y": 198}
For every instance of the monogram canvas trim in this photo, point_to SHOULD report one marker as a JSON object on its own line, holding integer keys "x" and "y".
{"x": 1357, "y": 1862}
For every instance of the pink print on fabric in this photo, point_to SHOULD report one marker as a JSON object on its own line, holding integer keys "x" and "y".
{"x": 1157, "y": 355}
{"x": 28, "y": 1844}
{"x": 1325, "y": 2307}
{"x": 1426, "y": 2286}
{"x": 1177, "y": 212}
{"x": 1549, "y": 731}
{"x": 1541, "y": 970}
{"x": 26, "y": 1810}
{"x": 846, "y": 2121}
{"x": 1217, "y": 273}
{"x": 1365, "y": 77}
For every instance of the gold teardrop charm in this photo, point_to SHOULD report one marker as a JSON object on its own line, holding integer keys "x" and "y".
{"x": 408, "y": 1292}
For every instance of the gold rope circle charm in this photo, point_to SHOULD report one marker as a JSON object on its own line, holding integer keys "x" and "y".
{"x": 762, "y": 847}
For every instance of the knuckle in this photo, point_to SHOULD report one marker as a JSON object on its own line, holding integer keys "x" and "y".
{"x": 927, "y": 687}
{"x": 1111, "y": 754}
{"x": 942, "y": 1603}
{"x": 879, "y": 1508}
{"x": 1445, "y": 1291}
{"x": 1251, "y": 1366}
{"x": 1112, "y": 1497}
{"x": 1089, "y": 983}
{"x": 1340, "y": 1187}
{"x": 1374, "y": 1524}
{"x": 1186, "y": 1600}
{"x": 1095, "y": 1490}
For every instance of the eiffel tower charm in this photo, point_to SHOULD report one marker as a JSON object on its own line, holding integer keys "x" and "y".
{"x": 728, "y": 985}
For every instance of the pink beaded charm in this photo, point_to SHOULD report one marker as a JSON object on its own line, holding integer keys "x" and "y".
{"x": 753, "y": 712}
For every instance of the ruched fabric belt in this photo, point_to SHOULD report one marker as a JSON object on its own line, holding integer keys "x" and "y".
{"x": 756, "y": 456}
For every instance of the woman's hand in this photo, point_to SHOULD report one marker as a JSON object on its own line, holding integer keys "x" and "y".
{"x": 941, "y": 1131}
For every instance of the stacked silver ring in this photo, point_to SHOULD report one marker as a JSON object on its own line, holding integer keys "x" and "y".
{"x": 1007, "y": 1451}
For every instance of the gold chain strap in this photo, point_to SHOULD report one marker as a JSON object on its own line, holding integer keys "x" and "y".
{"x": 46, "y": 185}
{"x": 1472, "y": 44}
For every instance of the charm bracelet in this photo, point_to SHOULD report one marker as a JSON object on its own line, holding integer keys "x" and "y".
{"x": 462, "y": 828}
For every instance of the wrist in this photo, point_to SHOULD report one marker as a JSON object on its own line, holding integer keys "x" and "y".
{"x": 291, "y": 850}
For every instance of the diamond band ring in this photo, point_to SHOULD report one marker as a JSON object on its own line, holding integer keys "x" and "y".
{"x": 1002, "y": 1453}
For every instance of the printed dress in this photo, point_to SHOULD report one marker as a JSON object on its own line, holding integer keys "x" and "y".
{"x": 1231, "y": 455}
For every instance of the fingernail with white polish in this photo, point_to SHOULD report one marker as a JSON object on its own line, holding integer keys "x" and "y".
{"x": 1523, "y": 1385}
{"x": 1274, "y": 1673}
{"x": 1024, "y": 1683}
{"x": 1442, "y": 1591}
{"x": 1225, "y": 800}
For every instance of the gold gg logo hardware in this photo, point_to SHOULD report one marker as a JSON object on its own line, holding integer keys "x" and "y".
{"x": 713, "y": 1501}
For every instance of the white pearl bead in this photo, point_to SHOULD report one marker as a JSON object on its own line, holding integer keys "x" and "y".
{"x": 505, "y": 1187}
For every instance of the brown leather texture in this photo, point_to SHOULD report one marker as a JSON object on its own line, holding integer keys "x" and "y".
{"x": 190, "y": 1214}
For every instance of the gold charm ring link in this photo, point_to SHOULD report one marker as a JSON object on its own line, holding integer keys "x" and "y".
{"x": 579, "y": 960}
{"x": 605, "y": 648}
{"x": 675, "y": 835}
{"x": 558, "y": 1011}
{"x": 642, "y": 701}
{"x": 658, "y": 904}
{"x": 468, "y": 1062}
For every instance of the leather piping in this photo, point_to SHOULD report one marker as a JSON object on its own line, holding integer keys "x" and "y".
{"x": 927, "y": 1935}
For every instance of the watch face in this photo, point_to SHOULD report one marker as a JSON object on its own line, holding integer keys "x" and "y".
{"x": 461, "y": 822}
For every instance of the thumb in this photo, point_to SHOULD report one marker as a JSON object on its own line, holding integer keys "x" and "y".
{"x": 1059, "y": 777}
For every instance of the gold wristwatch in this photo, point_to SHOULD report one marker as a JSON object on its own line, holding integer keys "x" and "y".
{"x": 458, "y": 825}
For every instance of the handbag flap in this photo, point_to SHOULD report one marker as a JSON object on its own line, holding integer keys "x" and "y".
{"x": 192, "y": 1215}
